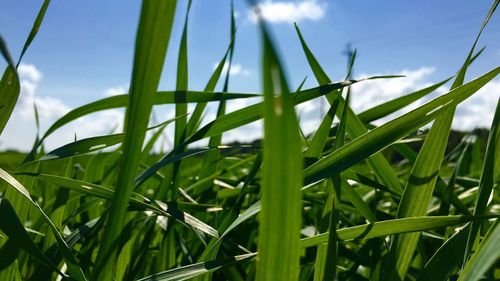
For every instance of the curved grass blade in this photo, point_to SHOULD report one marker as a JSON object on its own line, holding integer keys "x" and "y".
{"x": 330, "y": 266}
{"x": 382, "y": 136}
{"x": 446, "y": 258}
{"x": 387, "y": 108}
{"x": 91, "y": 144}
{"x": 197, "y": 269}
{"x": 135, "y": 199}
{"x": 6, "y": 54}
{"x": 355, "y": 128}
{"x": 254, "y": 112}
{"x": 487, "y": 180}
{"x": 74, "y": 270}
{"x": 14, "y": 229}
{"x": 152, "y": 39}
{"x": 420, "y": 186}
{"x": 195, "y": 119}
{"x": 485, "y": 256}
{"x": 390, "y": 227}
{"x": 9, "y": 92}
{"x": 119, "y": 101}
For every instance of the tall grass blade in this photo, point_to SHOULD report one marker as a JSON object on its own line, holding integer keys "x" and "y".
{"x": 280, "y": 218}
{"x": 73, "y": 267}
{"x": 197, "y": 269}
{"x": 34, "y": 29}
{"x": 487, "y": 180}
{"x": 151, "y": 45}
{"x": 380, "y": 137}
{"x": 485, "y": 256}
{"x": 420, "y": 186}
{"x": 14, "y": 229}
{"x": 355, "y": 128}
{"x": 389, "y": 227}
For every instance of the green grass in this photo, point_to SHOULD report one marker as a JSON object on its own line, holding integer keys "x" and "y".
{"x": 351, "y": 201}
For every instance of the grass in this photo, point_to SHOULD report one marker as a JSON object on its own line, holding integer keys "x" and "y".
{"x": 329, "y": 206}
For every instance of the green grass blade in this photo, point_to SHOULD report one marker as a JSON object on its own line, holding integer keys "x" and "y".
{"x": 9, "y": 92}
{"x": 330, "y": 266}
{"x": 446, "y": 258}
{"x": 182, "y": 83}
{"x": 487, "y": 181}
{"x": 135, "y": 199}
{"x": 14, "y": 229}
{"x": 73, "y": 267}
{"x": 320, "y": 137}
{"x": 380, "y": 137}
{"x": 195, "y": 119}
{"x": 34, "y": 29}
{"x": 197, "y": 269}
{"x": 152, "y": 40}
{"x": 355, "y": 128}
{"x": 386, "y": 108}
{"x": 389, "y": 227}
{"x": 280, "y": 218}
{"x": 419, "y": 189}
{"x": 6, "y": 54}
{"x": 119, "y": 101}
{"x": 91, "y": 144}
{"x": 254, "y": 112}
{"x": 485, "y": 256}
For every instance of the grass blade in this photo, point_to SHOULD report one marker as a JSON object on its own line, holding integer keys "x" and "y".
{"x": 420, "y": 186}
{"x": 389, "y": 227}
{"x": 34, "y": 29}
{"x": 487, "y": 180}
{"x": 73, "y": 267}
{"x": 9, "y": 92}
{"x": 280, "y": 218}
{"x": 197, "y": 269}
{"x": 152, "y": 40}
{"x": 380, "y": 137}
{"x": 14, "y": 229}
{"x": 485, "y": 256}
{"x": 355, "y": 128}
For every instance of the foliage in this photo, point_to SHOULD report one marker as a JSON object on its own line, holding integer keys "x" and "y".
{"x": 352, "y": 201}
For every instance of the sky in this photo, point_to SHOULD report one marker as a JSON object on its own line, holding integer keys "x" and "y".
{"x": 84, "y": 52}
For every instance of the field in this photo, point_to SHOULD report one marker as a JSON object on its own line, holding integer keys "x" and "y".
{"x": 351, "y": 201}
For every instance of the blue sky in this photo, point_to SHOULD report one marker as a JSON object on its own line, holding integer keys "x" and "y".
{"x": 84, "y": 52}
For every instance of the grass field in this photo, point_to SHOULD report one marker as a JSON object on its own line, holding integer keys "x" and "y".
{"x": 351, "y": 201}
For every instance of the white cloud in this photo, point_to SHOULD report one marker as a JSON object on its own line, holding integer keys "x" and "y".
{"x": 367, "y": 94}
{"x": 118, "y": 90}
{"x": 19, "y": 134}
{"x": 236, "y": 69}
{"x": 48, "y": 107}
{"x": 478, "y": 110}
{"x": 20, "y": 130}
{"x": 287, "y": 12}
{"x": 30, "y": 72}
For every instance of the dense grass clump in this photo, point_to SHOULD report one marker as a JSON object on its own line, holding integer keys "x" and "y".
{"x": 351, "y": 201}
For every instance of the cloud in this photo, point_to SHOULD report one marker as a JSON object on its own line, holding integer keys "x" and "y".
{"x": 477, "y": 111}
{"x": 287, "y": 12}
{"x": 118, "y": 90}
{"x": 19, "y": 134}
{"x": 236, "y": 69}
{"x": 48, "y": 107}
{"x": 20, "y": 131}
{"x": 369, "y": 93}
